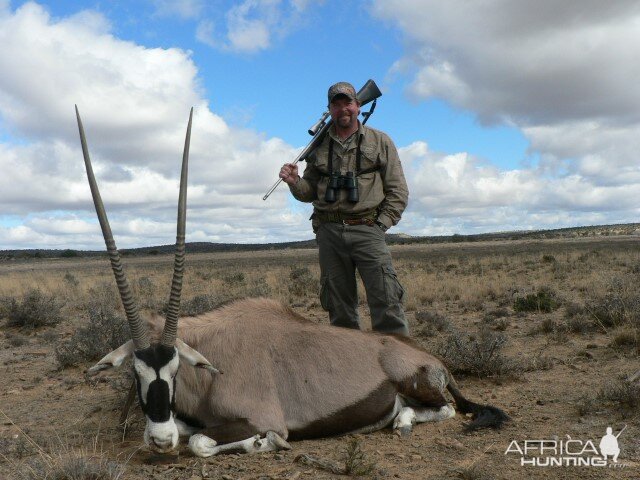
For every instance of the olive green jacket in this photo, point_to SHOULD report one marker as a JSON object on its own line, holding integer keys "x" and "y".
{"x": 384, "y": 190}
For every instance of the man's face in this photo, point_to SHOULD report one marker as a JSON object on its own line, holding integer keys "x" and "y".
{"x": 344, "y": 112}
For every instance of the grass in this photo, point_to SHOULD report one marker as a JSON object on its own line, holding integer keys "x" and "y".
{"x": 58, "y": 459}
{"x": 620, "y": 396}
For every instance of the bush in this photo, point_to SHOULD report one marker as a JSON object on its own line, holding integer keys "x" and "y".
{"x": 303, "y": 283}
{"x": 625, "y": 339}
{"x": 236, "y": 278}
{"x": 71, "y": 280}
{"x": 619, "y": 306}
{"x": 478, "y": 355}
{"x": 35, "y": 310}
{"x": 16, "y": 340}
{"x": 259, "y": 288}
{"x": 106, "y": 331}
{"x": 541, "y": 301}
{"x": 429, "y": 323}
{"x": 581, "y": 324}
{"x": 201, "y": 304}
{"x": 356, "y": 462}
{"x": 622, "y": 394}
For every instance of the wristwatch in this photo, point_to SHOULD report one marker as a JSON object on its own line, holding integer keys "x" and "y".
{"x": 381, "y": 225}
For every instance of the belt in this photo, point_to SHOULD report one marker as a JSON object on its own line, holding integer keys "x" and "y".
{"x": 367, "y": 219}
{"x": 358, "y": 221}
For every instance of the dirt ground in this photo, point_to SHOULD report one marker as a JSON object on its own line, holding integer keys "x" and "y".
{"x": 47, "y": 413}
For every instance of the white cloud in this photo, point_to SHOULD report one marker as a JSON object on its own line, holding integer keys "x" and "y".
{"x": 134, "y": 103}
{"x": 252, "y": 26}
{"x": 456, "y": 193}
{"x": 530, "y": 61}
{"x": 565, "y": 73}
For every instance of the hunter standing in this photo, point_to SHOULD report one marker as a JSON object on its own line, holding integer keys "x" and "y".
{"x": 357, "y": 186}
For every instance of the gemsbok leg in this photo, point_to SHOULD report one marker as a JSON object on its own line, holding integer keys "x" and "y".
{"x": 203, "y": 446}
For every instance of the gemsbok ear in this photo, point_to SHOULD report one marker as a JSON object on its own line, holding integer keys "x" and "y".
{"x": 114, "y": 358}
{"x": 193, "y": 357}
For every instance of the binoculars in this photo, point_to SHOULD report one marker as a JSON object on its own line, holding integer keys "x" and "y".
{"x": 337, "y": 182}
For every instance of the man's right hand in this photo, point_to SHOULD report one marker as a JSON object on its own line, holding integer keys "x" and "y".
{"x": 289, "y": 173}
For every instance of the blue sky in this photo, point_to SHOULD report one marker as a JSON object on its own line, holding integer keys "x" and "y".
{"x": 507, "y": 115}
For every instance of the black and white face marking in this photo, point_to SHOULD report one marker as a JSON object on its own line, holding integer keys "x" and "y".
{"x": 155, "y": 369}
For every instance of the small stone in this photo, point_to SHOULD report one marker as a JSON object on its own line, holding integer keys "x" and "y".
{"x": 416, "y": 457}
{"x": 449, "y": 443}
{"x": 226, "y": 477}
{"x": 294, "y": 476}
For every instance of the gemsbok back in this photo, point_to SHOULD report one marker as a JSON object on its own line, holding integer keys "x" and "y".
{"x": 277, "y": 376}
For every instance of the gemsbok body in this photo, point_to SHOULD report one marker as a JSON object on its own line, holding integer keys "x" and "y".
{"x": 277, "y": 375}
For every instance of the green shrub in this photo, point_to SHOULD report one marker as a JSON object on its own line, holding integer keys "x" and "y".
{"x": 356, "y": 462}
{"x": 35, "y": 310}
{"x": 541, "y": 301}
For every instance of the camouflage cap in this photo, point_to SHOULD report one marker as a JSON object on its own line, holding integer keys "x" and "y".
{"x": 341, "y": 88}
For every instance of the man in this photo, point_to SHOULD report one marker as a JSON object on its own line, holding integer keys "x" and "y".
{"x": 357, "y": 186}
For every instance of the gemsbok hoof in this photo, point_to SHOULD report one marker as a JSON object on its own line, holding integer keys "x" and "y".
{"x": 277, "y": 441}
{"x": 202, "y": 446}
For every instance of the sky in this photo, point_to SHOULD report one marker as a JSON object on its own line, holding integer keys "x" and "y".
{"x": 507, "y": 114}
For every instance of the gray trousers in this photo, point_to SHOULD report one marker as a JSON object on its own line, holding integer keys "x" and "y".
{"x": 345, "y": 248}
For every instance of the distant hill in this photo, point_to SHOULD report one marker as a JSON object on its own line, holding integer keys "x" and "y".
{"x": 392, "y": 239}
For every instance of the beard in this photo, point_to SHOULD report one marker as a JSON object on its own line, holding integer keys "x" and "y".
{"x": 346, "y": 121}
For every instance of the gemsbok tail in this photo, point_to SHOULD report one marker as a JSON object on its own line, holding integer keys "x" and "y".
{"x": 483, "y": 416}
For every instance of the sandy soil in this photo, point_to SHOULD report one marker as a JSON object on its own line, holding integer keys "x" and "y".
{"x": 63, "y": 409}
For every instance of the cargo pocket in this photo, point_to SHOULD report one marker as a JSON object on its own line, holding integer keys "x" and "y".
{"x": 324, "y": 294}
{"x": 394, "y": 291}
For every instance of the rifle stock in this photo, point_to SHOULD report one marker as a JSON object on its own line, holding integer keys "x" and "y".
{"x": 368, "y": 93}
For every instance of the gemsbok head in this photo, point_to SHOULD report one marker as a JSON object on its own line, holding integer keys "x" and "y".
{"x": 155, "y": 365}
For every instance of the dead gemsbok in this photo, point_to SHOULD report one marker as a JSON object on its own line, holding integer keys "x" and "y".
{"x": 277, "y": 376}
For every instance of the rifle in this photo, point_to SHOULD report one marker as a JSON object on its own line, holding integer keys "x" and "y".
{"x": 368, "y": 93}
